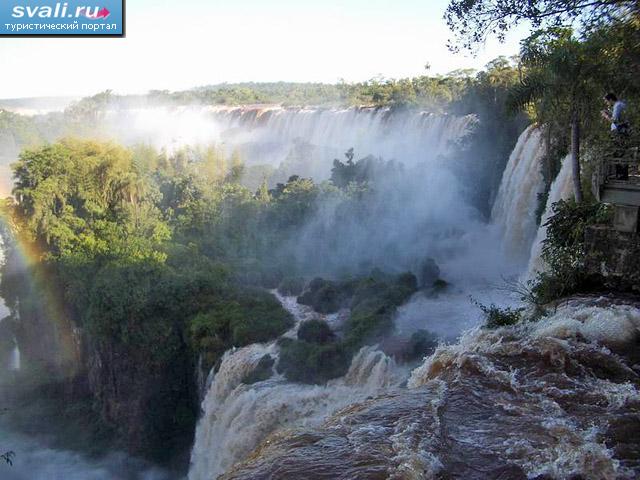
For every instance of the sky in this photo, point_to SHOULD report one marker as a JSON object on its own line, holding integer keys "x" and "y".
{"x": 180, "y": 44}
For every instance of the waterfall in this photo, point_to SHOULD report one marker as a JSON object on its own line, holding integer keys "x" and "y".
{"x": 405, "y": 136}
{"x": 301, "y": 141}
{"x": 553, "y": 398}
{"x": 237, "y": 417}
{"x": 561, "y": 189}
{"x": 514, "y": 211}
{"x": 14, "y": 359}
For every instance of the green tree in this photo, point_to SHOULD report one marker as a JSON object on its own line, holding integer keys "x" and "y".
{"x": 559, "y": 81}
{"x": 86, "y": 198}
{"x": 473, "y": 21}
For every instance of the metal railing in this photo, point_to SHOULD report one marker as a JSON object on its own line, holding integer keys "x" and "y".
{"x": 619, "y": 167}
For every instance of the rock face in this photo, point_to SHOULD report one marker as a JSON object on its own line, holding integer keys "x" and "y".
{"x": 49, "y": 340}
{"x": 150, "y": 405}
{"x": 323, "y": 296}
{"x": 553, "y": 399}
{"x": 615, "y": 256}
{"x": 147, "y": 403}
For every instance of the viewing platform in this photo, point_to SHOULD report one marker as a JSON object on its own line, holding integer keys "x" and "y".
{"x": 617, "y": 181}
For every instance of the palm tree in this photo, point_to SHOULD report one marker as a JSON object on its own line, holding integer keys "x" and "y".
{"x": 558, "y": 79}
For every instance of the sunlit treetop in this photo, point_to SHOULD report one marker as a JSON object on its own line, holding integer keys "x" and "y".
{"x": 473, "y": 21}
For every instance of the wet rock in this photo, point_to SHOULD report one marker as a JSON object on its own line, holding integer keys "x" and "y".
{"x": 263, "y": 371}
{"x": 315, "y": 331}
{"x": 323, "y": 296}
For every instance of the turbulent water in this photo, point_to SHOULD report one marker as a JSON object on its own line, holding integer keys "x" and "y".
{"x": 561, "y": 189}
{"x": 554, "y": 399}
{"x": 421, "y": 212}
{"x": 237, "y": 417}
{"x": 514, "y": 211}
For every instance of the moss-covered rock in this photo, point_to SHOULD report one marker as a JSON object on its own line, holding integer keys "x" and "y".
{"x": 262, "y": 371}
{"x": 369, "y": 322}
{"x": 324, "y": 296}
{"x": 316, "y": 331}
{"x": 316, "y": 356}
{"x": 249, "y": 316}
{"x": 373, "y": 305}
{"x": 306, "y": 362}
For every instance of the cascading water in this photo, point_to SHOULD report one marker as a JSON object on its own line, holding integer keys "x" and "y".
{"x": 422, "y": 210}
{"x": 237, "y": 417}
{"x": 410, "y": 137}
{"x": 14, "y": 360}
{"x": 401, "y": 433}
{"x": 561, "y": 189}
{"x": 301, "y": 141}
{"x": 546, "y": 399}
{"x": 514, "y": 211}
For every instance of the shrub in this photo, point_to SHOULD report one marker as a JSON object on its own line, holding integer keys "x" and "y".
{"x": 373, "y": 305}
{"x": 564, "y": 250}
{"x": 496, "y": 317}
{"x": 249, "y": 316}
{"x": 315, "y": 331}
{"x": 306, "y": 362}
{"x": 323, "y": 296}
{"x": 368, "y": 322}
{"x": 262, "y": 318}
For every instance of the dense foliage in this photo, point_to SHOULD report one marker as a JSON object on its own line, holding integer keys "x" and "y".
{"x": 577, "y": 52}
{"x": 474, "y": 20}
{"x": 136, "y": 244}
{"x": 318, "y": 354}
{"x": 564, "y": 250}
{"x": 496, "y": 317}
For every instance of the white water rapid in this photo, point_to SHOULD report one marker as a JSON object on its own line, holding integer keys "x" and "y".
{"x": 561, "y": 189}
{"x": 514, "y": 210}
{"x": 238, "y": 417}
{"x": 555, "y": 399}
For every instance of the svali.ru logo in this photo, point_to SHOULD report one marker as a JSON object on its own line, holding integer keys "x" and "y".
{"x": 61, "y": 10}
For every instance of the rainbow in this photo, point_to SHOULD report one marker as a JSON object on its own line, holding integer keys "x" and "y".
{"x": 45, "y": 331}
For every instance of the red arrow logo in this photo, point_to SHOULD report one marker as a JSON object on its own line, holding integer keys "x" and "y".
{"x": 104, "y": 13}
